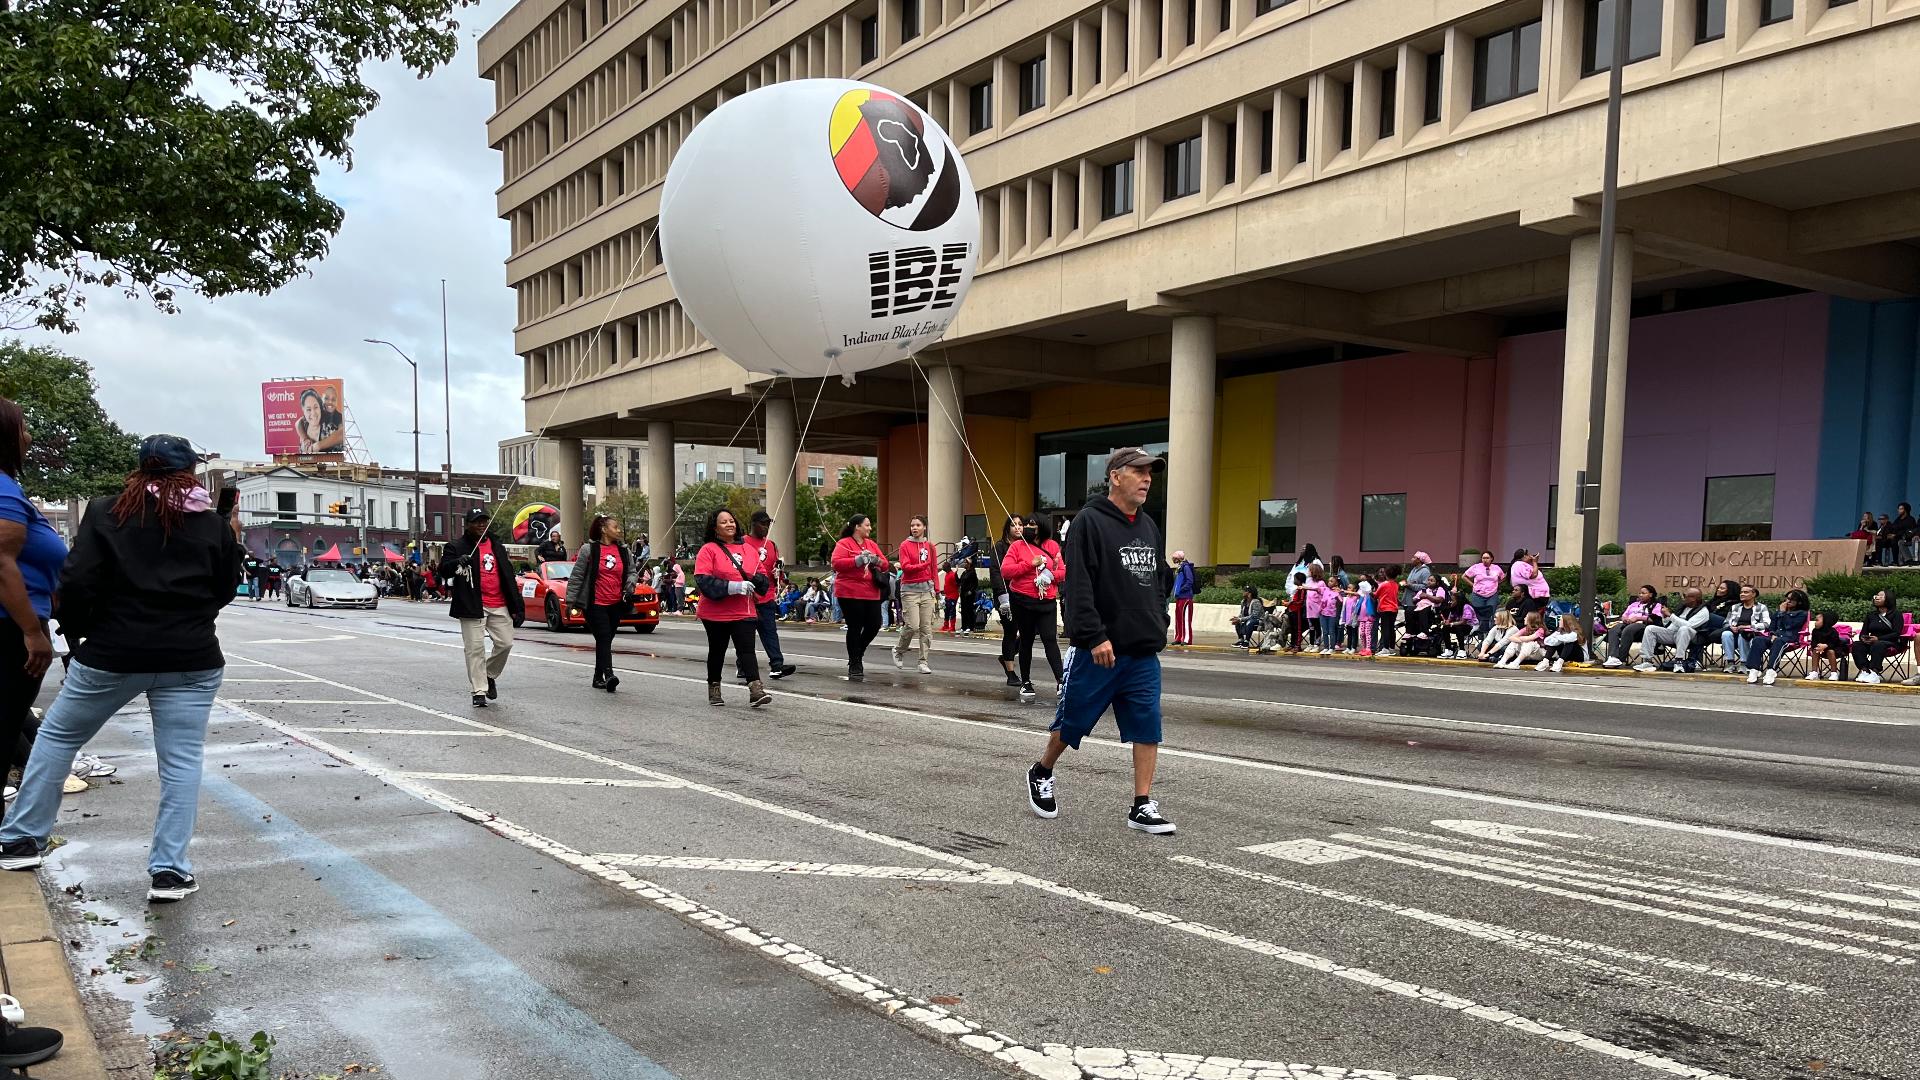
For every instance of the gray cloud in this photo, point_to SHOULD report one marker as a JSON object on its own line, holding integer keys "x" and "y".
{"x": 419, "y": 207}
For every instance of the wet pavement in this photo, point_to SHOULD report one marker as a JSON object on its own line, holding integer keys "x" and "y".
{"x": 1417, "y": 871}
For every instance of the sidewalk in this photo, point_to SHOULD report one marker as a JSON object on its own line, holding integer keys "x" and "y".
{"x": 33, "y": 963}
{"x": 1209, "y": 643}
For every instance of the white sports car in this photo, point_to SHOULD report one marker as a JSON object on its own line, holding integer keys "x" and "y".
{"x": 331, "y": 588}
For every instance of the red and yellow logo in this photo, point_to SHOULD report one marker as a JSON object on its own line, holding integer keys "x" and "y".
{"x": 888, "y": 161}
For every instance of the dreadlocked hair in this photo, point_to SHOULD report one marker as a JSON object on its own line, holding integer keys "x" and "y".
{"x": 168, "y": 491}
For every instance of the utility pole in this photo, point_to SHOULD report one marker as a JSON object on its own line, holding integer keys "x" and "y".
{"x": 1591, "y": 479}
{"x": 446, "y": 387}
{"x": 414, "y": 518}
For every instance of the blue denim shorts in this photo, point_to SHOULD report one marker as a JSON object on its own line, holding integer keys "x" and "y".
{"x": 1131, "y": 686}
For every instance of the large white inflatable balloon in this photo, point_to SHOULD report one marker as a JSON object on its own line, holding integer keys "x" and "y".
{"x": 818, "y": 227}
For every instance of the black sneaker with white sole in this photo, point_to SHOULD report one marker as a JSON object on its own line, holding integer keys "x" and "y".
{"x": 1013, "y": 679}
{"x": 1040, "y": 792}
{"x": 20, "y": 855}
{"x": 781, "y": 671}
{"x": 169, "y": 886}
{"x": 1145, "y": 816}
{"x": 1028, "y": 693}
{"x": 479, "y": 701}
{"x": 25, "y": 1046}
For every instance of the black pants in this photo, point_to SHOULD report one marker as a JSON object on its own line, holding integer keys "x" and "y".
{"x": 863, "y": 624}
{"x": 17, "y": 694}
{"x": 738, "y": 633}
{"x": 603, "y": 621}
{"x": 1454, "y": 634}
{"x": 1035, "y": 619}
{"x": 1870, "y": 655}
{"x": 1383, "y": 637}
{"x": 1571, "y": 651}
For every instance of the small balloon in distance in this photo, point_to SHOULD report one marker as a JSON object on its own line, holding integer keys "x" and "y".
{"x": 820, "y": 226}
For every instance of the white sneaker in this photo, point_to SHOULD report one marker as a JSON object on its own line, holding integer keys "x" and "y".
{"x": 1769, "y": 677}
{"x": 1813, "y": 676}
{"x": 89, "y": 766}
{"x": 1543, "y": 665}
{"x": 897, "y": 662}
{"x": 1326, "y": 652}
{"x": 1753, "y": 678}
{"x": 925, "y": 668}
{"x": 1644, "y": 666}
{"x": 1614, "y": 662}
{"x": 1867, "y": 677}
{"x": 1833, "y": 676}
{"x": 1559, "y": 665}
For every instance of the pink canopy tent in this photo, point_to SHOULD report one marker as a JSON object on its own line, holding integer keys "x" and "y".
{"x": 332, "y": 555}
{"x": 391, "y": 555}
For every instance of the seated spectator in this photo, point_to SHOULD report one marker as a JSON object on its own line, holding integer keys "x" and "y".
{"x": 1457, "y": 623}
{"x": 1252, "y": 613}
{"x": 1681, "y": 628}
{"x": 1747, "y": 619}
{"x": 1826, "y": 649}
{"x": 1865, "y": 530}
{"x": 1495, "y": 639}
{"x": 1882, "y": 635}
{"x": 1646, "y": 610}
{"x": 1566, "y": 645}
{"x": 1906, "y": 530}
{"x": 1764, "y": 650}
{"x": 1271, "y": 634}
{"x": 1525, "y": 645}
{"x": 1886, "y": 543}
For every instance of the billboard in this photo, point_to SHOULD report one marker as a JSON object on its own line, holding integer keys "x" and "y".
{"x": 305, "y": 418}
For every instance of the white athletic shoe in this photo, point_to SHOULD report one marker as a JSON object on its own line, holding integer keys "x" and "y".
{"x": 1769, "y": 677}
{"x": 897, "y": 662}
{"x": 1833, "y": 676}
{"x": 1867, "y": 677}
{"x": 925, "y": 668}
{"x": 1559, "y": 664}
{"x": 1644, "y": 666}
{"x": 1813, "y": 676}
{"x": 1614, "y": 662}
{"x": 1543, "y": 665}
{"x": 1753, "y": 678}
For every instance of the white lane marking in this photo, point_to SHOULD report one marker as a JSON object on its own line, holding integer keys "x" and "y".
{"x": 1306, "y": 851}
{"x": 1656, "y": 884}
{"x": 1609, "y": 860}
{"x": 1506, "y": 834}
{"x": 508, "y": 778}
{"x": 1558, "y": 948}
{"x": 807, "y": 869}
{"x": 1051, "y": 1061}
{"x": 1646, "y": 909}
{"x": 1658, "y": 891}
{"x": 297, "y": 701}
{"x": 1371, "y": 714}
{"x": 1870, "y": 901}
{"x": 1438, "y": 998}
{"x": 343, "y": 730}
{"x": 224, "y": 681}
{"x": 301, "y": 640}
{"x": 1290, "y": 770}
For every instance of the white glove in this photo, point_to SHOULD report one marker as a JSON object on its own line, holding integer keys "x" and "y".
{"x": 1043, "y": 579}
{"x": 864, "y": 559}
{"x": 739, "y": 588}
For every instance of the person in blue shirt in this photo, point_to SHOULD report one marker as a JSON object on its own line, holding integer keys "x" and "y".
{"x": 1183, "y": 589}
{"x": 31, "y": 554}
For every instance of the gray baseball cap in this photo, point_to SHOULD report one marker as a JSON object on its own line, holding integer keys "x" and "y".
{"x": 1128, "y": 456}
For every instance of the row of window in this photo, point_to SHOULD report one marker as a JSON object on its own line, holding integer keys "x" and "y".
{"x": 643, "y": 337}
{"x": 1733, "y": 508}
{"x": 600, "y": 269}
{"x": 288, "y": 502}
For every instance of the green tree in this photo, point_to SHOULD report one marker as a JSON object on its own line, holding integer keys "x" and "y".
{"x": 694, "y": 502}
{"x": 118, "y": 171}
{"x": 859, "y": 493}
{"x": 810, "y": 523}
{"x": 78, "y": 452}
{"x": 629, "y": 508}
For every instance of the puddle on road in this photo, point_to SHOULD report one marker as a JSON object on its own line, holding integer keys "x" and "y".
{"x": 111, "y": 941}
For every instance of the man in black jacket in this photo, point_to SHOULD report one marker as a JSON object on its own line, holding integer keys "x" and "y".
{"x": 1116, "y": 601}
{"x": 478, "y": 573}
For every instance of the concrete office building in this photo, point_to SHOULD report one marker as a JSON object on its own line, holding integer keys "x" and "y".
{"x": 1335, "y": 257}
{"x": 610, "y": 465}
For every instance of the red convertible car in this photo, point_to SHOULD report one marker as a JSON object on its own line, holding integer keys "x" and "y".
{"x": 545, "y": 590}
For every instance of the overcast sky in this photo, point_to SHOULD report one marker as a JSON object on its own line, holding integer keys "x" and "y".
{"x": 419, "y": 207}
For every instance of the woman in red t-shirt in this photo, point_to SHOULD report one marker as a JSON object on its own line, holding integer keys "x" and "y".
{"x": 729, "y": 576}
{"x": 604, "y": 575}
{"x": 918, "y": 561}
{"x": 1033, "y": 569}
{"x": 858, "y": 568}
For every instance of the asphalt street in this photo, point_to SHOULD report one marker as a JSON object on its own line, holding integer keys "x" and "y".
{"x": 1401, "y": 871}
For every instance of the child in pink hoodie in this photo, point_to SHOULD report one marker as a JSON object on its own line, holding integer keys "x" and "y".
{"x": 1323, "y": 609}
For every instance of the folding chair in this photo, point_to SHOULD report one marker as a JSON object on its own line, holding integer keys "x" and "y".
{"x": 1899, "y": 665}
{"x": 1793, "y": 662}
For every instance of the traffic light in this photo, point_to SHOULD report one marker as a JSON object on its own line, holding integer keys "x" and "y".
{"x": 336, "y": 508}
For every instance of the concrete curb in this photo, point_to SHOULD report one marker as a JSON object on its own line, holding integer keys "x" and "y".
{"x": 35, "y": 964}
{"x": 1416, "y": 661}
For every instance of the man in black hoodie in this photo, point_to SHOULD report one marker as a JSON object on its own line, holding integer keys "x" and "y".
{"x": 478, "y": 573}
{"x": 1116, "y": 601}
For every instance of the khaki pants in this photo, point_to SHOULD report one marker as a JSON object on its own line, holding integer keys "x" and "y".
{"x": 474, "y": 633}
{"x": 916, "y": 619}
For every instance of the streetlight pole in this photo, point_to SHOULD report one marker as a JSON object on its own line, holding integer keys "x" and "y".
{"x": 446, "y": 387}
{"x": 1589, "y": 490}
{"x": 419, "y": 508}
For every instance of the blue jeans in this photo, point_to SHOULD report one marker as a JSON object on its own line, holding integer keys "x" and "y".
{"x": 179, "y": 701}
{"x": 770, "y": 634}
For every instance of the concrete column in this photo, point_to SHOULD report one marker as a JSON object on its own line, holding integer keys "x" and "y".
{"x": 1476, "y": 457}
{"x": 946, "y": 454}
{"x": 660, "y": 487}
{"x": 1576, "y": 388}
{"x": 573, "y": 526}
{"x": 782, "y": 483}
{"x": 1190, "y": 409}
